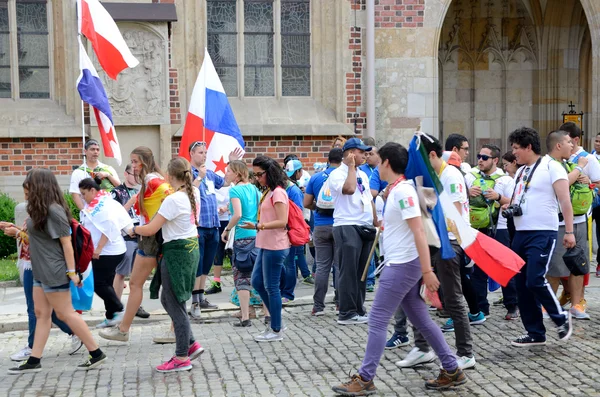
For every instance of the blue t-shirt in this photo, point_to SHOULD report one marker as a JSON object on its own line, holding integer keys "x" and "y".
{"x": 375, "y": 182}
{"x": 366, "y": 168}
{"x": 295, "y": 194}
{"x": 314, "y": 187}
{"x": 249, "y": 197}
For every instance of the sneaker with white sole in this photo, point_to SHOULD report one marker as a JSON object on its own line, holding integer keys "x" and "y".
{"x": 195, "y": 311}
{"x": 579, "y": 313}
{"x": 195, "y": 351}
{"x": 526, "y": 341}
{"x": 22, "y": 354}
{"x": 269, "y": 336}
{"x": 396, "y": 341}
{"x": 25, "y": 368}
{"x": 175, "y": 365}
{"x": 114, "y": 333}
{"x": 477, "y": 319}
{"x": 565, "y": 330}
{"x": 76, "y": 344}
{"x": 417, "y": 357}
{"x": 166, "y": 338}
{"x": 465, "y": 362}
{"x": 354, "y": 320}
{"x": 116, "y": 320}
{"x": 92, "y": 363}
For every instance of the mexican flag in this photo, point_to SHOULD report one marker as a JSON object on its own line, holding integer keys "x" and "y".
{"x": 497, "y": 261}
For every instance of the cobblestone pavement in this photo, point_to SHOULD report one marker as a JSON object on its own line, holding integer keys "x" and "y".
{"x": 316, "y": 354}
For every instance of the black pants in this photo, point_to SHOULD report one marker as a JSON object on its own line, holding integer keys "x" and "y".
{"x": 104, "y": 274}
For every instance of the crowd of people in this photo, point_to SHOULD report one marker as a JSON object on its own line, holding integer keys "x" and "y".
{"x": 365, "y": 218}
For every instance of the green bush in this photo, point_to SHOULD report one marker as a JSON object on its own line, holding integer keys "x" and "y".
{"x": 7, "y": 214}
{"x": 72, "y": 205}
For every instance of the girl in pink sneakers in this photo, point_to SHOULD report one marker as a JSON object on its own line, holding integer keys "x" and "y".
{"x": 176, "y": 273}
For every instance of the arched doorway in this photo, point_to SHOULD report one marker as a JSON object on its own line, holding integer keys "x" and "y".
{"x": 505, "y": 64}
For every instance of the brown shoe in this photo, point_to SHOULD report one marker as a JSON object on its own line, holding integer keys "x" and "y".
{"x": 252, "y": 313}
{"x": 446, "y": 380}
{"x": 356, "y": 387}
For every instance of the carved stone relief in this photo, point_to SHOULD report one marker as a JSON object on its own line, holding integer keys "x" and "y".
{"x": 139, "y": 96}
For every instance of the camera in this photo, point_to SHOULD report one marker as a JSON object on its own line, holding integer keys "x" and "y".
{"x": 512, "y": 211}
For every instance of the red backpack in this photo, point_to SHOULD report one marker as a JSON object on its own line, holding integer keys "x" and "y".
{"x": 83, "y": 246}
{"x": 298, "y": 229}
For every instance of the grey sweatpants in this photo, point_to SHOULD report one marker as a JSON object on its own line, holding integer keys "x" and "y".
{"x": 324, "y": 251}
{"x": 184, "y": 337}
{"x": 400, "y": 328}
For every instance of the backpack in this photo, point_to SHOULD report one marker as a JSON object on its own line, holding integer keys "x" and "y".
{"x": 483, "y": 213}
{"x": 325, "y": 202}
{"x": 582, "y": 195}
{"x": 298, "y": 229}
{"x": 83, "y": 246}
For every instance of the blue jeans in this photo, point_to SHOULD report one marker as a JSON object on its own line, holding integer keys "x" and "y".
{"x": 208, "y": 241}
{"x": 536, "y": 248}
{"x": 288, "y": 274}
{"x": 28, "y": 287}
{"x": 266, "y": 277}
{"x": 371, "y": 275}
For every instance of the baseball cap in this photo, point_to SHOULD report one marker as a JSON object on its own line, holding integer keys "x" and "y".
{"x": 356, "y": 143}
{"x": 292, "y": 166}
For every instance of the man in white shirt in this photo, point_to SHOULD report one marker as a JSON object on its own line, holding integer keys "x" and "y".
{"x": 448, "y": 270}
{"x": 103, "y": 174}
{"x": 460, "y": 144}
{"x": 489, "y": 188}
{"x": 353, "y": 230}
{"x": 541, "y": 184}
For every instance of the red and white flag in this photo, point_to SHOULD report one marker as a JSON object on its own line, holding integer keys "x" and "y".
{"x": 97, "y": 25}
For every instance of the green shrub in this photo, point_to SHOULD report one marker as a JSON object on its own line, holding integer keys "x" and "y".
{"x": 7, "y": 214}
{"x": 72, "y": 205}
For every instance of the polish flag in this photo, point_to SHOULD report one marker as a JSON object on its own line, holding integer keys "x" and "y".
{"x": 97, "y": 25}
{"x": 92, "y": 92}
{"x": 211, "y": 120}
{"x": 497, "y": 261}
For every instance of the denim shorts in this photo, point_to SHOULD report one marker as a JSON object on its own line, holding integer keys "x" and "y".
{"x": 47, "y": 289}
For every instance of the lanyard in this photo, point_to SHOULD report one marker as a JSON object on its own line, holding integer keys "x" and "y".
{"x": 260, "y": 203}
{"x": 526, "y": 181}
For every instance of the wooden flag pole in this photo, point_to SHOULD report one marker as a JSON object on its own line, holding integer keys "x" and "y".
{"x": 364, "y": 276}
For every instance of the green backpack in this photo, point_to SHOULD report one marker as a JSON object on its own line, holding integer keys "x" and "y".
{"x": 483, "y": 213}
{"x": 105, "y": 183}
{"x": 582, "y": 196}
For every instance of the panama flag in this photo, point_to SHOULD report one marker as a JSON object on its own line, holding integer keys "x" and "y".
{"x": 211, "y": 120}
{"x": 97, "y": 25}
{"x": 92, "y": 92}
{"x": 497, "y": 261}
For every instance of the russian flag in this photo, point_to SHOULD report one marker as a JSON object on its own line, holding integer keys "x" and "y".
{"x": 92, "y": 92}
{"x": 210, "y": 119}
{"x": 97, "y": 25}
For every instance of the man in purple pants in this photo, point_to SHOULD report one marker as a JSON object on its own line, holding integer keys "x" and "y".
{"x": 407, "y": 262}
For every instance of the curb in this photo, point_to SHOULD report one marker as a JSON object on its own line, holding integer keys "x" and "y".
{"x": 10, "y": 284}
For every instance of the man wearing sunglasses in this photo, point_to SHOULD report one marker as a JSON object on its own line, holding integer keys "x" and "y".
{"x": 489, "y": 189}
{"x": 207, "y": 182}
{"x": 353, "y": 230}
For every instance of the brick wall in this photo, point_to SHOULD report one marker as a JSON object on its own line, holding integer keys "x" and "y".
{"x": 60, "y": 155}
{"x": 309, "y": 149}
{"x": 399, "y": 13}
{"x": 355, "y": 114}
{"x": 174, "y": 104}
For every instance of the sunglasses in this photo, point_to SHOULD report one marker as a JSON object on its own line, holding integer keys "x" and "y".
{"x": 484, "y": 157}
{"x": 259, "y": 174}
{"x": 197, "y": 143}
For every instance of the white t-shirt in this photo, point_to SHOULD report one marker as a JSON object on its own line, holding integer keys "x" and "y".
{"x": 78, "y": 175}
{"x": 355, "y": 209}
{"x": 181, "y": 222}
{"x": 505, "y": 185}
{"x": 379, "y": 205}
{"x": 116, "y": 247}
{"x": 398, "y": 240}
{"x": 592, "y": 168}
{"x": 539, "y": 205}
{"x": 453, "y": 183}
{"x": 465, "y": 167}
{"x": 223, "y": 201}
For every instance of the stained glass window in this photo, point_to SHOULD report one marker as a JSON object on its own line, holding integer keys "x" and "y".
{"x": 5, "y": 85}
{"x": 32, "y": 46}
{"x": 259, "y": 67}
{"x": 222, "y": 41}
{"x": 295, "y": 47}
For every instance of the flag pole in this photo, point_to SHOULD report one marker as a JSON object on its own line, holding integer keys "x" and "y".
{"x": 82, "y": 114}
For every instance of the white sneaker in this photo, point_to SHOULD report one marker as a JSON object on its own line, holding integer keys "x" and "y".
{"x": 354, "y": 320}
{"x": 466, "y": 362}
{"x": 416, "y": 357}
{"x": 76, "y": 344}
{"x": 195, "y": 311}
{"x": 579, "y": 314}
{"x": 21, "y": 355}
{"x": 269, "y": 336}
{"x": 116, "y": 320}
{"x": 166, "y": 338}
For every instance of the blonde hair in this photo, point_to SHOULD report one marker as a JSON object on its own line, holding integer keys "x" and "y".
{"x": 338, "y": 138}
{"x": 148, "y": 166}
{"x": 180, "y": 169}
{"x": 240, "y": 169}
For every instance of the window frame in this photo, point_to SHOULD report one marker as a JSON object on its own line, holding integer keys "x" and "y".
{"x": 277, "y": 48}
{"x": 15, "y": 82}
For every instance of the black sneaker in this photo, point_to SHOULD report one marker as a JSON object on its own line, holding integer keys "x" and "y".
{"x": 565, "y": 330}
{"x": 245, "y": 323}
{"x": 92, "y": 363}
{"x": 215, "y": 288}
{"x": 141, "y": 313}
{"x": 526, "y": 341}
{"x": 205, "y": 304}
{"x": 25, "y": 368}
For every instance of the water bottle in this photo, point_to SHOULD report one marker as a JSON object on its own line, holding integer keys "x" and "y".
{"x": 318, "y": 167}
{"x": 482, "y": 184}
